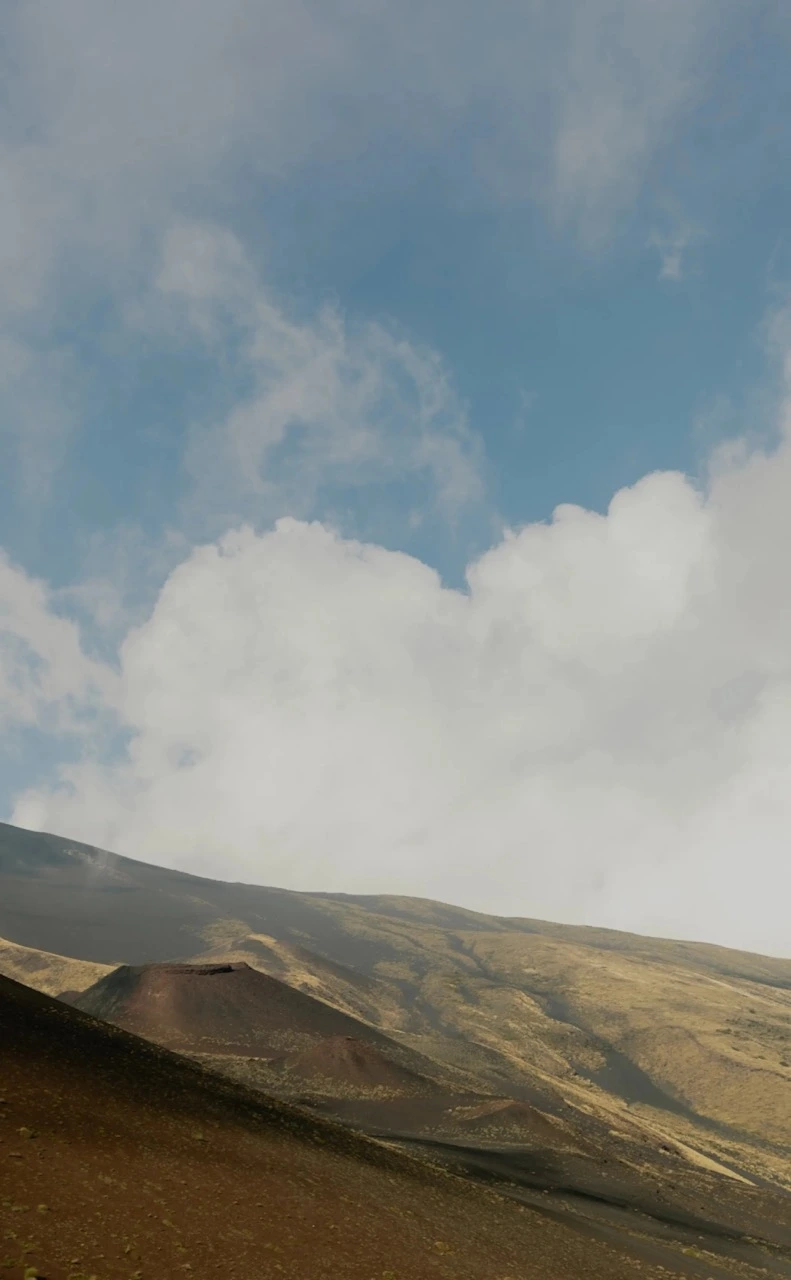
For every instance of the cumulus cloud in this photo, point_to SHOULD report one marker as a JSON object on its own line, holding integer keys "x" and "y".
{"x": 596, "y": 729}
{"x": 46, "y": 678}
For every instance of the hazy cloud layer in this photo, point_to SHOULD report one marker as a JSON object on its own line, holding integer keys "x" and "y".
{"x": 116, "y": 125}
{"x": 117, "y": 122}
{"x": 114, "y": 115}
{"x": 327, "y": 406}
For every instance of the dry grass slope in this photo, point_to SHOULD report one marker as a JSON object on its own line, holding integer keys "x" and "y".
{"x": 691, "y": 1040}
{"x": 118, "y": 1159}
{"x": 47, "y": 972}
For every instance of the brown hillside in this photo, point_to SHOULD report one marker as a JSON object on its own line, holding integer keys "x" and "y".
{"x": 348, "y": 1062}
{"x": 47, "y": 972}
{"x": 692, "y": 1039}
{"x": 217, "y": 1008}
{"x": 118, "y": 1159}
{"x": 371, "y": 999}
{"x": 515, "y": 1119}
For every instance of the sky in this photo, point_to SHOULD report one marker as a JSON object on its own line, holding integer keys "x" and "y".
{"x": 395, "y": 448}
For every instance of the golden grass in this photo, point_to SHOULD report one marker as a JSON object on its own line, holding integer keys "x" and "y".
{"x": 47, "y": 972}
{"x": 709, "y": 1027}
{"x": 498, "y": 1000}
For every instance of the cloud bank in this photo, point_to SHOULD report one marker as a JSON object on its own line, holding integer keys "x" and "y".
{"x": 598, "y": 729}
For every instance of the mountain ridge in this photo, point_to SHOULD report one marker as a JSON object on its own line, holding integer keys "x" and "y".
{"x": 691, "y": 1038}
{"x": 411, "y": 908}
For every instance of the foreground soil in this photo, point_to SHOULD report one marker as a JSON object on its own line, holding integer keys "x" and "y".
{"x": 120, "y": 1160}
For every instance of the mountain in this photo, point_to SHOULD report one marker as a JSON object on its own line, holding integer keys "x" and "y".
{"x": 120, "y": 1159}
{"x": 223, "y": 1009}
{"x": 347, "y": 1063}
{"x": 690, "y": 1041}
{"x": 53, "y": 974}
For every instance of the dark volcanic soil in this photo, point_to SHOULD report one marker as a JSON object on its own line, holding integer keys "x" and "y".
{"x": 217, "y": 1008}
{"x": 119, "y": 1160}
{"x": 518, "y": 1118}
{"x": 346, "y": 1061}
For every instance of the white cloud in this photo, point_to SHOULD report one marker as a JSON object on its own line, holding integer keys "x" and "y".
{"x": 327, "y": 404}
{"x": 46, "y": 679}
{"x": 113, "y": 120}
{"x": 598, "y": 729}
{"x": 673, "y": 249}
{"x": 114, "y": 124}
{"x": 632, "y": 73}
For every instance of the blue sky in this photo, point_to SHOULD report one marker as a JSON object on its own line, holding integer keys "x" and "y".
{"x": 421, "y": 274}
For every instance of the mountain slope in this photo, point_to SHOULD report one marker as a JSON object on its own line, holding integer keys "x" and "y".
{"x": 120, "y": 1159}
{"x": 141, "y": 1163}
{"x": 46, "y": 972}
{"x": 695, "y": 1039}
{"x": 223, "y": 1009}
{"x": 346, "y": 1063}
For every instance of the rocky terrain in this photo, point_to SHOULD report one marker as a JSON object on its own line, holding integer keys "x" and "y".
{"x": 635, "y": 1090}
{"x": 120, "y": 1159}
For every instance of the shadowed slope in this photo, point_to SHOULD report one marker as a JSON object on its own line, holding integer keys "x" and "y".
{"x": 142, "y": 1163}
{"x": 693, "y": 1038}
{"x": 77, "y": 900}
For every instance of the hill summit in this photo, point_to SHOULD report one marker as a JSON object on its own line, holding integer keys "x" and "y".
{"x": 349, "y": 1062}
{"x": 217, "y": 1008}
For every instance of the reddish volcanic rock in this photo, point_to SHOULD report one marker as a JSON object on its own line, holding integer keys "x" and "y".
{"x": 510, "y": 1115}
{"x": 217, "y": 1008}
{"x": 347, "y": 1061}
